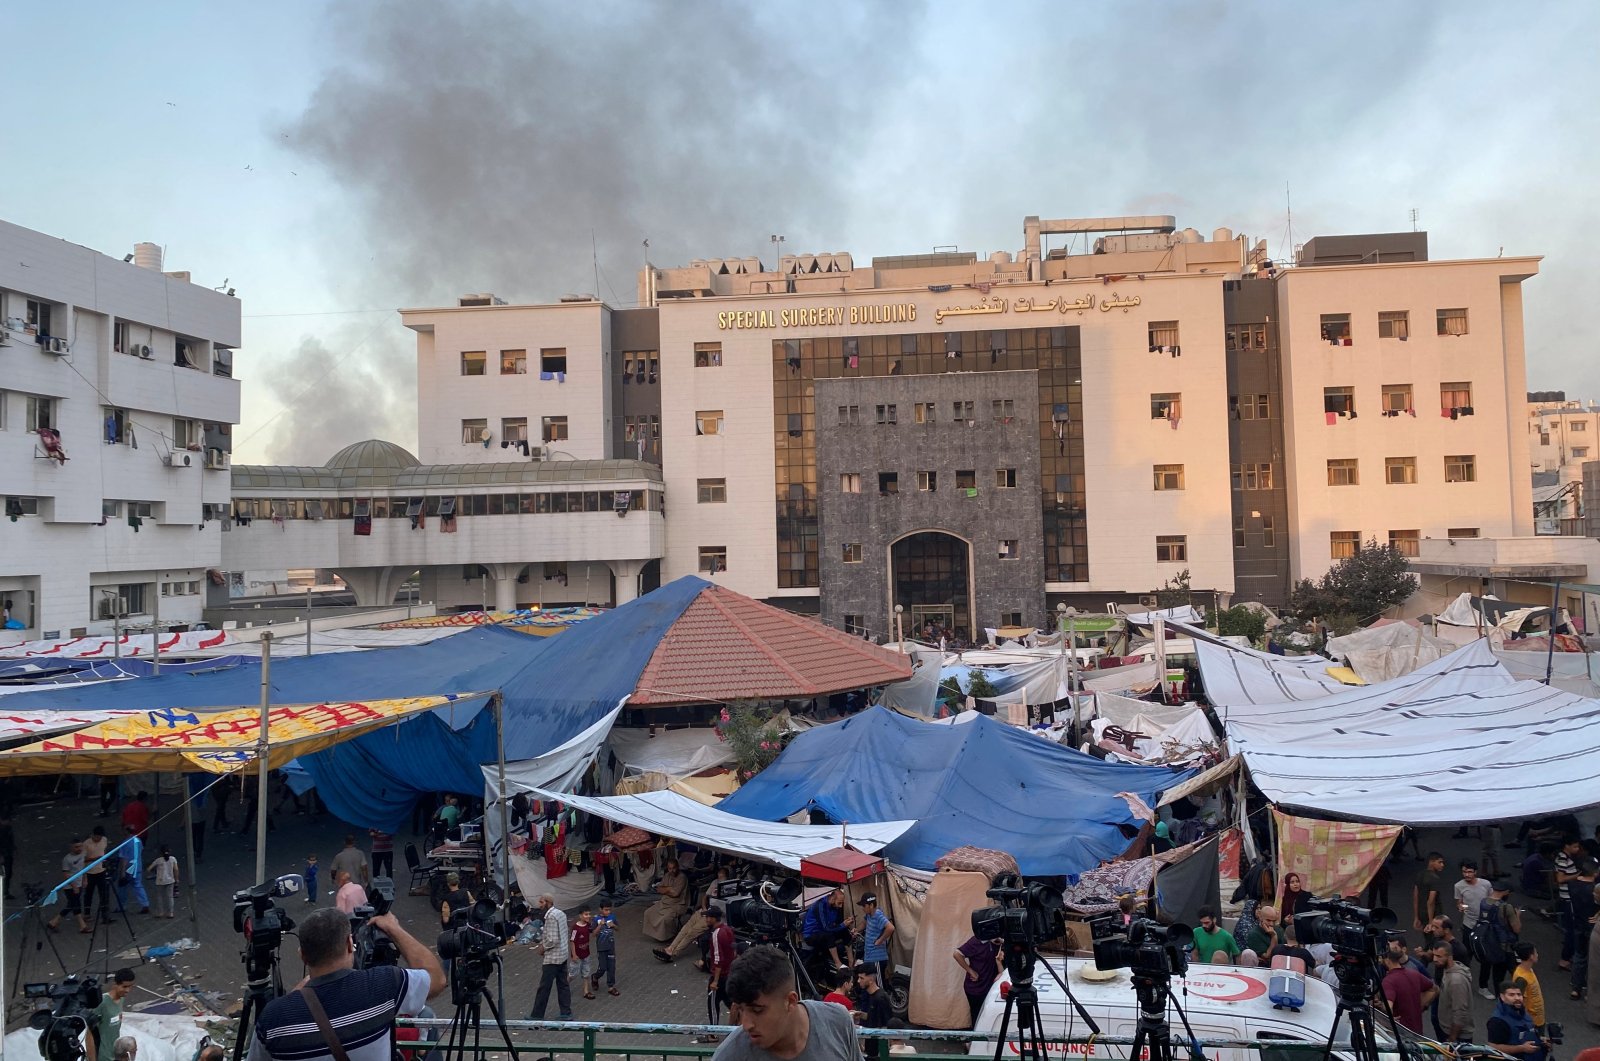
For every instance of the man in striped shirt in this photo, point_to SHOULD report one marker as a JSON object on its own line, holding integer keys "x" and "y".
{"x": 359, "y": 1005}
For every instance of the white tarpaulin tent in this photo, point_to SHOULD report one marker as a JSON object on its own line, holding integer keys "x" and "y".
{"x": 1175, "y": 743}
{"x": 672, "y": 752}
{"x": 1571, "y": 672}
{"x": 1122, "y": 710}
{"x": 1379, "y": 653}
{"x": 1182, "y": 614}
{"x": 1234, "y": 675}
{"x": 1042, "y": 682}
{"x": 919, "y": 694}
{"x": 1455, "y": 741}
{"x": 1115, "y": 679}
{"x": 669, "y": 814}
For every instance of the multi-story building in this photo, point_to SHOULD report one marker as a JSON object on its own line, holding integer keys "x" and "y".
{"x": 1561, "y": 440}
{"x": 117, "y": 402}
{"x": 977, "y": 441}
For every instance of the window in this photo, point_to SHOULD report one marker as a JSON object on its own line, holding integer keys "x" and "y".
{"x": 1008, "y": 549}
{"x": 1247, "y": 337}
{"x": 1005, "y": 478}
{"x": 888, "y": 482}
{"x": 1166, "y": 406}
{"x": 41, "y": 412}
{"x": 1452, "y": 322}
{"x": 851, "y": 552}
{"x": 22, "y": 506}
{"x": 1405, "y": 542}
{"x": 1269, "y": 532}
{"x": 1396, "y": 398}
{"x": 1252, "y": 407}
{"x": 111, "y": 509}
{"x": 1252, "y": 476}
{"x": 472, "y": 431}
{"x": 855, "y": 624}
{"x": 554, "y": 428}
{"x": 1580, "y": 451}
{"x": 707, "y": 355}
{"x": 117, "y": 425}
{"x": 850, "y": 482}
{"x": 1004, "y": 410}
{"x": 187, "y": 434}
{"x": 849, "y": 416}
{"x": 1169, "y": 476}
{"x": 1172, "y": 549}
{"x": 928, "y": 482}
{"x": 1163, "y": 336}
{"x": 1573, "y": 425}
{"x": 1342, "y": 471}
{"x": 1394, "y": 324}
{"x": 1400, "y": 471}
{"x": 712, "y": 491}
{"x": 119, "y": 337}
{"x": 1010, "y": 618}
{"x": 1336, "y": 328}
{"x": 38, "y": 317}
{"x": 472, "y": 362}
{"x": 1462, "y": 532}
{"x": 513, "y": 429}
{"x": 961, "y": 412}
{"x": 888, "y": 414}
{"x": 713, "y": 558}
{"x": 967, "y": 480}
{"x": 515, "y": 362}
{"x": 1339, "y": 401}
{"x": 142, "y": 509}
{"x": 922, "y": 412}
{"x": 1343, "y": 544}
{"x": 1455, "y": 399}
{"x": 554, "y": 361}
{"x": 1460, "y": 468}
{"x": 708, "y": 422}
{"x": 1238, "y": 532}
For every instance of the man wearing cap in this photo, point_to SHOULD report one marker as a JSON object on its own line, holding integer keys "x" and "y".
{"x": 876, "y": 928}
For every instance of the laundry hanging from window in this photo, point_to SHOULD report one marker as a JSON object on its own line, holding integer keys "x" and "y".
{"x": 414, "y": 512}
{"x": 447, "y": 515}
{"x": 363, "y": 516}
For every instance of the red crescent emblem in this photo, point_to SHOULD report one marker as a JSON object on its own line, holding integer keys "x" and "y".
{"x": 1215, "y": 985}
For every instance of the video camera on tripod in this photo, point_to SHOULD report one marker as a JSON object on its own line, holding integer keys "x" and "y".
{"x": 471, "y": 945}
{"x": 1024, "y": 914}
{"x": 260, "y": 920}
{"x": 63, "y": 1012}
{"x": 1344, "y": 926}
{"x": 1146, "y": 949}
{"x": 768, "y": 912}
{"x": 373, "y": 947}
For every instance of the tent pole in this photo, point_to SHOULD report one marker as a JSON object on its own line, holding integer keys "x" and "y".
{"x": 505, "y": 811}
{"x": 188, "y": 845}
{"x": 261, "y": 759}
{"x": 1550, "y": 632}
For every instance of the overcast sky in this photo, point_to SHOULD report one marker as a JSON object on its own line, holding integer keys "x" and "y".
{"x": 335, "y": 162}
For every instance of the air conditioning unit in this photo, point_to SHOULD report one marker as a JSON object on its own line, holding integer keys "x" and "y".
{"x": 1147, "y": 602}
{"x": 56, "y": 345}
{"x": 216, "y": 460}
{"x": 113, "y": 607}
{"x": 144, "y": 352}
{"x": 536, "y": 453}
{"x": 177, "y": 460}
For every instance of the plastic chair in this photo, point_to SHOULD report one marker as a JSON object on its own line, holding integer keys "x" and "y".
{"x": 421, "y": 871}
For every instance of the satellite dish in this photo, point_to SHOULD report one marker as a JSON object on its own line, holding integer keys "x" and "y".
{"x": 484, "y": 435}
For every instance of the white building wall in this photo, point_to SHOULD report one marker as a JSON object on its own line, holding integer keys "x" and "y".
{"x": 445, "y": 397}
{"x": 59, "y": 555}
{"x": 1489, "y": 356}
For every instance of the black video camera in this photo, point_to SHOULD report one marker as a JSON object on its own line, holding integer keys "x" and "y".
{"x": 373, "y": 946}
{"x": 258, "y": 918}
{"x": 1025, "y": 913}
{"x": 1147, "y": 949}
{"x": 1344, "y": 926}
{"x": 63, "y": 1012}
{"x": 764, "y": 911}
{"x": 470, "y": 945}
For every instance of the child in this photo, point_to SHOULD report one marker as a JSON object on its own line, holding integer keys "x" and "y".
{"x": 165, "y": 872}
{"x": 829, "y": 979}
{"x": 311, "y": 878}
{"x": 582, "y": 964}
{"x": 605, "y": 948}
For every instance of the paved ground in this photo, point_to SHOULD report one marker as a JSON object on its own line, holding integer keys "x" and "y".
{"x": 651, "y": 992}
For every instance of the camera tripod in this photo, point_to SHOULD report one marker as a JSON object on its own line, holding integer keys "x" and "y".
{"x": 100, "y": 921}
{"x": 263, "y": 983}
{"x": 1154, "y": 992}
{"x": 1354, "y": 993}
{"x": 469, "y": 998}
{"x": 34, "y": 928}
{"x": 1021, "y": 960}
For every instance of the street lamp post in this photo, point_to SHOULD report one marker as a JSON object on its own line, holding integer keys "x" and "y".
{"x": 899, "y": 627}
{"x": 1067, "y": 621}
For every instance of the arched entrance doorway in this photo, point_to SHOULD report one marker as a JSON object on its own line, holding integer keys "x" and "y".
{"x": 930, "y": 575}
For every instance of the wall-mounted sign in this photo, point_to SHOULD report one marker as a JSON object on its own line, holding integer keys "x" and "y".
{"x": 817, "y": 316}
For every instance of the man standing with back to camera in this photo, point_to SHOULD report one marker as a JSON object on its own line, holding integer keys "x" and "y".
{"x": 340, "y": 1013}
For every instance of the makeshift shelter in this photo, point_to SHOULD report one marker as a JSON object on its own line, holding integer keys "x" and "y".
{"x": 1458, "y": 740}
{"x": 1235, "y": 676}
{"x": 1379, "y": 653}
{"x": 985, "y": 783}
{"x": 918, "y": 694}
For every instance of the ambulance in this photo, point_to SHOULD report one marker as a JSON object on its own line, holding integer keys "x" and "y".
{"x": 1221, "y": 1002}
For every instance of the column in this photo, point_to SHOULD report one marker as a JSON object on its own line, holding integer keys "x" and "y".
{"x": 627, "y": 576}
{"x": 374, "y": 587}
{"x": 504, "y": 577}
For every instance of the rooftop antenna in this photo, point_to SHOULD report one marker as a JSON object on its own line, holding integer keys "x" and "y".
{"x": 1288, "y": 224}
{"x": 594, "y": 253}
{"x": 1413, "y": 219}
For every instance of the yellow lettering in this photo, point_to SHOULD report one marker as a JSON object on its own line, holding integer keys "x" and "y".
{"x": 912, "y": 309}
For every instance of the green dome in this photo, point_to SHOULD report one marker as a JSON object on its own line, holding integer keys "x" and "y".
{"x": 372, "y": 455}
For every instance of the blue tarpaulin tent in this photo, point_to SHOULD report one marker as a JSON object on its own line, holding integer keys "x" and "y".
{"x": 984, "y": 783}
{"x": 553, "y": 688}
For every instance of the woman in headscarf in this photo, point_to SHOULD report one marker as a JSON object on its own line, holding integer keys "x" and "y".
{"x": 1162, "y": 840}
{"x": 1294, "y": 897}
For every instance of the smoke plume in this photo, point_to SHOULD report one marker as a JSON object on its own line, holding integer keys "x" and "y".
{"x": 335, "y": 395}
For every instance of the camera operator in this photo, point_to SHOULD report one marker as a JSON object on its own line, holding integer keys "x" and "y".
{"x": 363, "y": 1002}
{"x": 824, "y": 927}
{"x": 1511, "y": 1030}
{"x": 106, "y": 1026}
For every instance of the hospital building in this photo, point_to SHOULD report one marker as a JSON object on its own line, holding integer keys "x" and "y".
{"x": 976, "y": 439}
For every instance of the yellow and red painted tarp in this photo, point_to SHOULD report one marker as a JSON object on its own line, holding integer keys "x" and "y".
{"x": 218, "y": 742}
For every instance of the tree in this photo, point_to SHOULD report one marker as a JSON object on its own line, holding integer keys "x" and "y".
{"x": 1174, "y": 592}
{"x": 1355, "y": 590}
{"x": 979, "y": 687}
{"x": 754, "y": 739}
{"x": 1240, "y": 621}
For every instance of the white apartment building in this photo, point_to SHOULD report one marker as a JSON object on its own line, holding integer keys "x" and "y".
{"x": 1562, "y": 434}
{"x": 126, "y": 372}
{"x": 980, "y": 440}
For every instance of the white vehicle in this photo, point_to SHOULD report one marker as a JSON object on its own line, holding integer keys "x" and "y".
{"x": 1221, "y": 1002}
